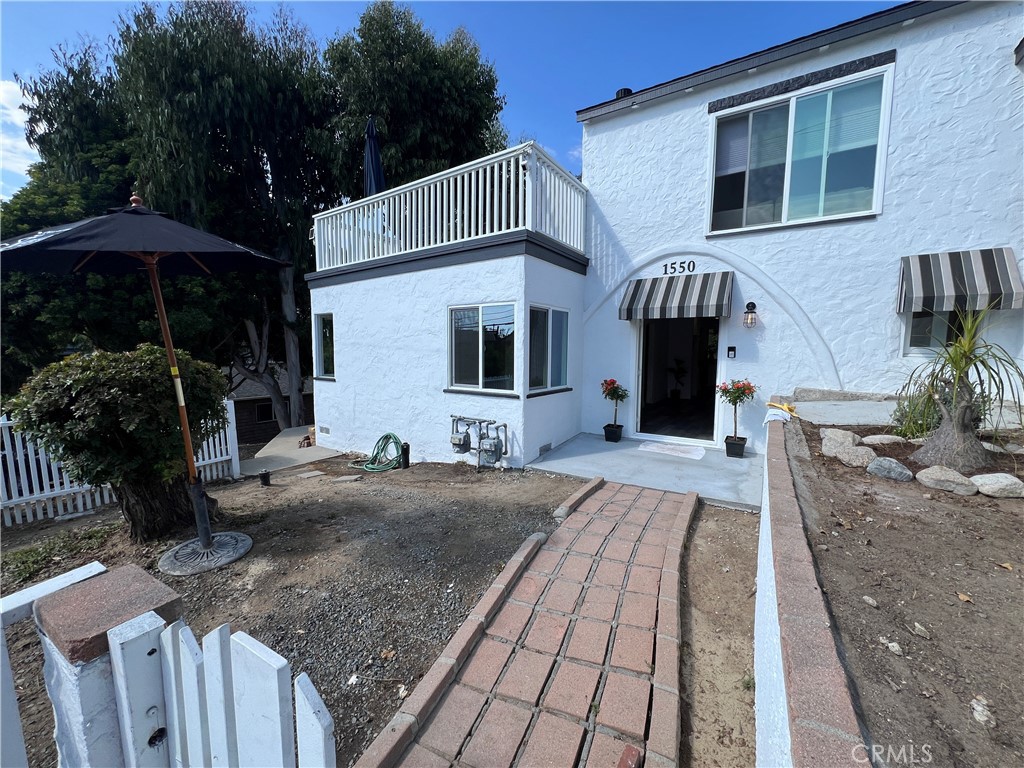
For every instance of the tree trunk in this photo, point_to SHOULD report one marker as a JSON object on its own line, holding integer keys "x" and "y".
{"x": 154, "y": 508}
{"x": 292, "y": 358}
{"x": 955, "y": 443}
{"x": 259, "y": 372}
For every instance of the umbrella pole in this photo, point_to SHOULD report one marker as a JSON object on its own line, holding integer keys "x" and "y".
{"x": 195, "y": 483}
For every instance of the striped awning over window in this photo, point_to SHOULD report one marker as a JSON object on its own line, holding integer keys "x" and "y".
{"x": 942, "y": 282}
{"x": 664, "y": 298}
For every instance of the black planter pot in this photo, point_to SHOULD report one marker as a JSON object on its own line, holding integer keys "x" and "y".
{"x": 734, "y": 446}
{"x": 612, "y": 433}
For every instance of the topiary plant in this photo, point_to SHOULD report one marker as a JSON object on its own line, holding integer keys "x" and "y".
{"x": 113, "y": 418}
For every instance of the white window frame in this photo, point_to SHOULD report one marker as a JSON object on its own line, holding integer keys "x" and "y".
{"x": 318, "y": 362}
{"x": 880, "y": 155}
{"x": 529, "y": 351}
{"x": 480, "y": 347}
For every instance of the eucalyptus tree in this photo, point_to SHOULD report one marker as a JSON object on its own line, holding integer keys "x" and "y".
{"x": 436, "y": 103}
{"x": 233, "y": 121}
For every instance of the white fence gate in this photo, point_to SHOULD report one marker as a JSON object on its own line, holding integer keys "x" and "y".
{"x": 35, "y": 485}
{"x": 226, "y": 702}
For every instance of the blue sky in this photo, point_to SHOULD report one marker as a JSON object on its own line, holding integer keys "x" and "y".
{"x": 552, "y": 58}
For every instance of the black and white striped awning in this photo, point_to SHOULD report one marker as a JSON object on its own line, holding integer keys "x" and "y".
{"x": 943, "y": 282}
{"x": 664, "y": 298}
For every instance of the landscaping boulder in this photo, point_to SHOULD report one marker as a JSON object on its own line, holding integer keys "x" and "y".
{"x": 883, "y": 440}
{"x": 834, "y": 439}
{"x": 855, "y": 455}
{"x": 946, "y": 479}
{"x": 1000, "y": 485}
{"x": 1008, "y": 448}
{"x": 891, "y": 469}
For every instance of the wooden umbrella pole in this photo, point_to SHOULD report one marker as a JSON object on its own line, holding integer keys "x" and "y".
{"x": 195, "y": 483}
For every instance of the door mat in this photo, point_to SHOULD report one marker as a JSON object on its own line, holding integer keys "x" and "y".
{"x": 684, "y": 451}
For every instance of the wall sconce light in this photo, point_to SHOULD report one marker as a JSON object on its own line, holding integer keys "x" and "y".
{"x": 750, "y": 316}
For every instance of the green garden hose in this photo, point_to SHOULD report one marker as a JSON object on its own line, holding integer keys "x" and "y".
{"x": 379, "y": 460}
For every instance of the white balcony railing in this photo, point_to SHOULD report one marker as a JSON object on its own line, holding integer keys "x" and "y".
{"x": 520, "y": 188}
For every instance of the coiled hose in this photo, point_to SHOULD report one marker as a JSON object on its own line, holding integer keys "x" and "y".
{"x": 379, "y": 460}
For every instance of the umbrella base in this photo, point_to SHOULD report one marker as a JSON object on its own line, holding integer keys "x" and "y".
{"x": 190, "y": 558}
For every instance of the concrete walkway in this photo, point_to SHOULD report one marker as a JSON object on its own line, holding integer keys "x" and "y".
{"x": 717, "y": 478}
{"x": 571, "y": 658}
{"x": 283, "y": 452}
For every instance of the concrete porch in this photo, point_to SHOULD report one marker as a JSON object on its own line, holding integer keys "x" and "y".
{"x": 714, "y": 476}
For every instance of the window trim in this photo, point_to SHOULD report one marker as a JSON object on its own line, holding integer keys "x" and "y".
{"x": 547, "y": 386}
{"x": 318, "y": 361}
{"x": 885, "y": 112}
{"x": 467, "y": 388}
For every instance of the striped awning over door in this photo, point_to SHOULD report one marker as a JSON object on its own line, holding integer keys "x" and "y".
{"x": 942, "y": 282}
{"x": 664, "y": 298}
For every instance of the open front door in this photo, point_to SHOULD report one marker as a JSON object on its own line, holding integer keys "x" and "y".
{"x": 678, "y": 368}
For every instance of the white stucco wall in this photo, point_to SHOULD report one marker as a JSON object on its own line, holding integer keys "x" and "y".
{"x": 553, "y": 419}
{"x": 391, "y": 358}
{"x": 825, "y": 292}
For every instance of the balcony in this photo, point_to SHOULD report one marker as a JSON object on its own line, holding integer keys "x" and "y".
{"x": 518, "y": 189}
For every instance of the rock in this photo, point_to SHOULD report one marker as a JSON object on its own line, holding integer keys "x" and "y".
{"x": 1007, "y": 448}
{"x": 347, "y": 479}
{"x": 870, "y": 601}
{"x": 883, "y": 466}
{"x": 895, "y": 648}
{"x": 823, "y": 547}
{"x": 855, "y": 455}
{"x": 979, "y": 708}
{"x": 945, "y": 479}
{"x": 1000, "y": 485}
{"x": 834, "y": 439}
{"x": 921, "y": 631}
{"x": 919, "y": 440}
{"x": 883, "y": 440}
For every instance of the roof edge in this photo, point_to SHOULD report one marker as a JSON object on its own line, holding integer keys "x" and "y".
{"x": 850, "y": 29}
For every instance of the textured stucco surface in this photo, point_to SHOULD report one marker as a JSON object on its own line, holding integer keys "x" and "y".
{"x": 391, "y": 358}
{"x": 826, "y": 292}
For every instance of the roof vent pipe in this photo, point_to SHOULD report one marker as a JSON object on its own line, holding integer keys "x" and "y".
{"x": 623, "y": 93}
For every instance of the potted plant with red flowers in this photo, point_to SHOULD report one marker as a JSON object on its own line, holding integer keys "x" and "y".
{"x": 612, "y": 390}
{"x": 735, "y": 392}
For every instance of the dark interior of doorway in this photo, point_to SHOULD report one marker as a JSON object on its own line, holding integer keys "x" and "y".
{"x": 680, "y": 362}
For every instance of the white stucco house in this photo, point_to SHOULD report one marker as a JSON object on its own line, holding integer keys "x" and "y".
{"x": 841, "y": 193}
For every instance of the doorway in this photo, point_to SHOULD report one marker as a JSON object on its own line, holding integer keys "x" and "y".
{"x": 678, "y": 369}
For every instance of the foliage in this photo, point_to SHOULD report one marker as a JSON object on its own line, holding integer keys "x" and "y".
{"x": 113, "y": 417}
{"x": 23, "y": 565}
{"x": 436, "y": 104}
{"x": 916, "y": 414}
{"x": 736, "y": 391}
{"x": 612, "y": 390}
{"x": 961, "y": 380}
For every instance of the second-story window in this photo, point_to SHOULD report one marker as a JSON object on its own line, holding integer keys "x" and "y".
{"x": 811, "y": 156}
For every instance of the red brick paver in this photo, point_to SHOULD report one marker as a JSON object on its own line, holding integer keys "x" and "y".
{"x": 571, "y": 658}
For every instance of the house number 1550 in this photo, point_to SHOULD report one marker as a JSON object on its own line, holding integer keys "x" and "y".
{"x": 679, "y": 267}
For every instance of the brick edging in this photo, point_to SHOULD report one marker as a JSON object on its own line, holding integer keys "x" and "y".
{"x": 568, "y": 506}
{"x": 392, "y": 741}
{"x": 665, "y": 701}
{"x": 822, "y": 720}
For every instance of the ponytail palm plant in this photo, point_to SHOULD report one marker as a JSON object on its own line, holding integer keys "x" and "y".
{"x": 966, "y": 377}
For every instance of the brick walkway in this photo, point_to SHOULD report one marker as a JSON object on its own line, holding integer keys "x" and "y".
{"x": 571, "y": 658}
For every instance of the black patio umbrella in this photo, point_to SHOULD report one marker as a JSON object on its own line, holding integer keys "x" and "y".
{"x": 120, "y": 243}
{"x": 373, "y": 166}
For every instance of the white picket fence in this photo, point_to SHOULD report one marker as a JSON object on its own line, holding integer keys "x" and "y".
{"x": 35, "y": 485}
{"x": 226, "y": 702}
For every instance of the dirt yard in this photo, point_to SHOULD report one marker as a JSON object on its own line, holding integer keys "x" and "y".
{"x": 367, "y": 578}
{"x": 946, "y": 574}
{"x": 717, "y": 649}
